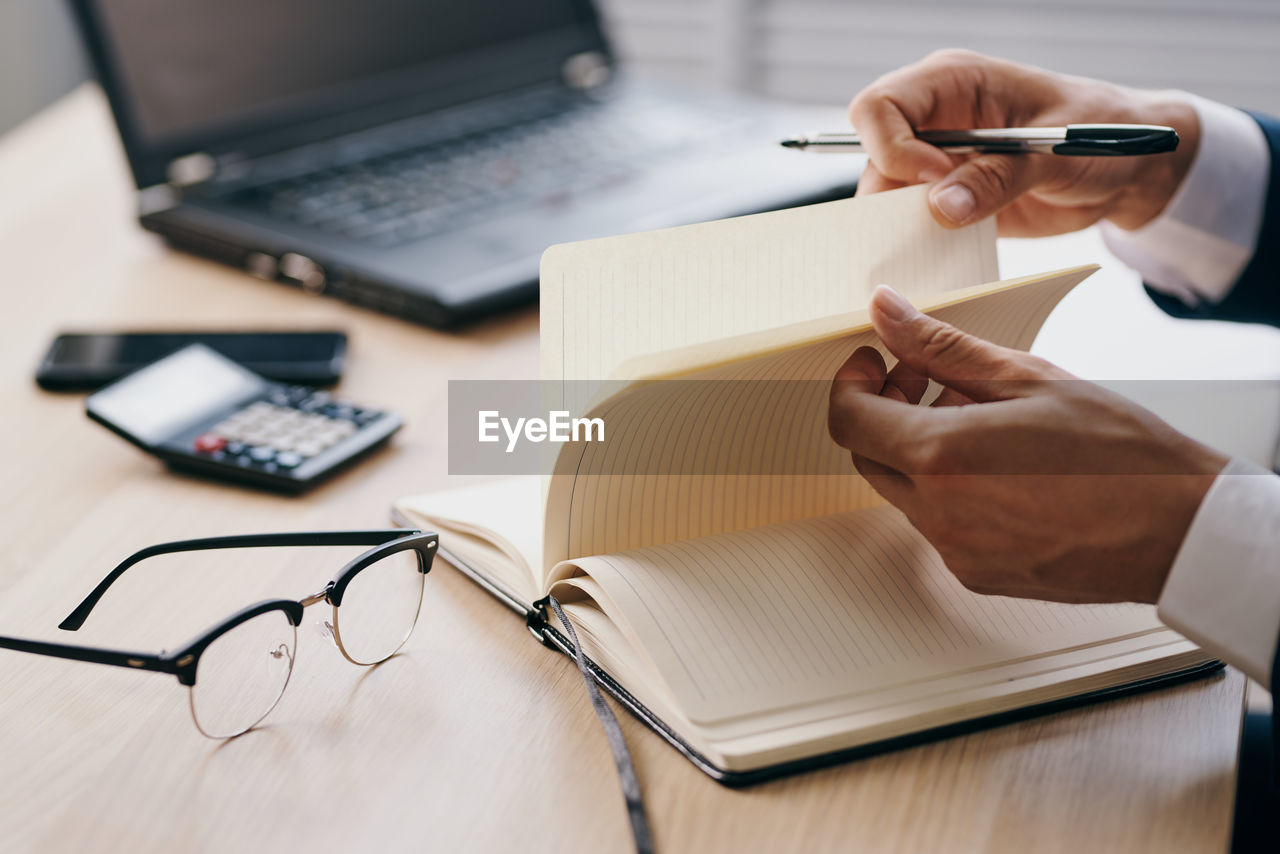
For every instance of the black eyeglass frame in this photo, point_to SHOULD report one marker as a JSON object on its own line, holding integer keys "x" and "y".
{"x": 184, "y": 661}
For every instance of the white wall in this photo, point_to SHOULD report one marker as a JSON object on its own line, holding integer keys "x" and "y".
{"x": 825, "y": 50}
{"x": 40, "y": 57}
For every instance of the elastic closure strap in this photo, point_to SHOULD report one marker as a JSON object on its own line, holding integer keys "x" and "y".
{"x": 535, "y": 621}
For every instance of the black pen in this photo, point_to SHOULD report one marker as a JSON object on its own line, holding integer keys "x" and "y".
{"x": 1072, "y": 140}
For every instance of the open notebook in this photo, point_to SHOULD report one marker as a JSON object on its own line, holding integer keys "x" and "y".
{"x": 733, "y": 580}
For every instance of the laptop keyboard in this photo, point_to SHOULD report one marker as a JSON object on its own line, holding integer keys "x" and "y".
{"x": 409, "y": 195}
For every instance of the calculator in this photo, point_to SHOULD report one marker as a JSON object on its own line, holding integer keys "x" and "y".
{"x": 198, "y": 410}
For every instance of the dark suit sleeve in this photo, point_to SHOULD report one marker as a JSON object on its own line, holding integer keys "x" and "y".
{"x": 1255, "y": 296}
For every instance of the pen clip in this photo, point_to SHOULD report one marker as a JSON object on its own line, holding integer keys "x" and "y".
{"x": 1109, "y": 140}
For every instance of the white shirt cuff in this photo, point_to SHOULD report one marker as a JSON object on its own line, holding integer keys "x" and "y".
{"x": 1200, "y": 244}
{"x": 1223, "y": 591}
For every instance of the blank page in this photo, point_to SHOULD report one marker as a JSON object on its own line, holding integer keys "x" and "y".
{"x": 605, "y": 301}
{"x": 493, "y": 527}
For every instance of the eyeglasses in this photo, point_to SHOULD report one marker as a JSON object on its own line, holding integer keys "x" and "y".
{"x": 237, "y": 671}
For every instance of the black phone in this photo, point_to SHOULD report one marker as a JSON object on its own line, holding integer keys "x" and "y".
{"x": 88, "y": 361}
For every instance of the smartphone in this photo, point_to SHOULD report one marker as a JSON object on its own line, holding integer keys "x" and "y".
{"x": 88, "y": 361}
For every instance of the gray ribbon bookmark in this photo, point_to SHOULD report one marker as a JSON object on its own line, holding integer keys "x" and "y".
{"x": 621, "y": 756}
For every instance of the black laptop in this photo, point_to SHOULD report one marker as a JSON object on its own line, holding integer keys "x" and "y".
{"x": 416, "y": 156}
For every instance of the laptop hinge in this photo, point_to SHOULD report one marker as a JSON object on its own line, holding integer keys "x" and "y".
{"x": 191, "y": 169}
{"x": 157, "y": 198}
{"x": 201, "y": 169}
{"x": 586, "y": 71}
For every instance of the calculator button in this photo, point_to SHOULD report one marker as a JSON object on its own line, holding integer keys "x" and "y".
{"x": 235, "y": 448}
{"x": 227, "y": 428}
{"x": 315, "y": 402}
{"x": 261, "y": 453}
{"x": 308, "y": 448}
{"x": 288, "y": 459}
{"x": 207, "y": 443}
{"x": 364, "y": 416}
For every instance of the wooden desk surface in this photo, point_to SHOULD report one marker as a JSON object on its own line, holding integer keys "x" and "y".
{"x": 476, "y": 738}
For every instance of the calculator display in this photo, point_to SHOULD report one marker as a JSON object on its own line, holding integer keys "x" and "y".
{"x": 157, "y": 401}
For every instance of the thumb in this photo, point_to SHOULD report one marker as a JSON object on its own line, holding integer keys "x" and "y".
{"x": 978, "y": 369}
{"x": 982, "y": 186}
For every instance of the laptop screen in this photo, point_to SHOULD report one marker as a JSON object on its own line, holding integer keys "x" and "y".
{"x": 188, "y": 71}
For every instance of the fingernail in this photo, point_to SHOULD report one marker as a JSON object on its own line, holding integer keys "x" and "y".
{"x": 955, "y": 202}
{"x": 893, "y": 303}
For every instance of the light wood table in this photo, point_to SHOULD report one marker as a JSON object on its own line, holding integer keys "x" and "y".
{"x": 475, "y": 739}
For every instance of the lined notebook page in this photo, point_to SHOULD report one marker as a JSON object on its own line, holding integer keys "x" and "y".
{"x": 605, "y": 301}
{"x": 744, "y": 443}
{"x": 819, "y": 609}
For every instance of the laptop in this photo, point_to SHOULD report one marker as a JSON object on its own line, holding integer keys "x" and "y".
{"x": 417, "y": 156}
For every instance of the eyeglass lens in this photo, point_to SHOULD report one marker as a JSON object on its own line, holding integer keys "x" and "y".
{"x": 379, "y": 608}
{"x": 241, "y": 675}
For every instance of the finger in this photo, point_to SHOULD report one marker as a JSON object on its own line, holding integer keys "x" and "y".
{"x": 891, "y": 484}
{"x": 951, "y": 397}
{"x": 1034, "y": 217}
{"x": 888, "y": 136}
{"x": 872, "y": 181}
{"x": 982, "y": 186}
{"x": 863, "y": 371}
{"x": 905, "y": 383}
{"x": 872, "y": 426}
{"x": 867, "y": 368}
{"x": 976, "y": 368}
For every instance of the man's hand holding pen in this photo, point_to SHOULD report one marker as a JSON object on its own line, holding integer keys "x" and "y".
{"x": 1031, "y": 196}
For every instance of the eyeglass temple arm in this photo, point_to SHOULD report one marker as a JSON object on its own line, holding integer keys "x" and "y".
{"x": 117, "y": 658}
{"x": 77, "y": 617}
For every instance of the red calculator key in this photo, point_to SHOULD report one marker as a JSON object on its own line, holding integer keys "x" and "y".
{"x": 207, "y": 443}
